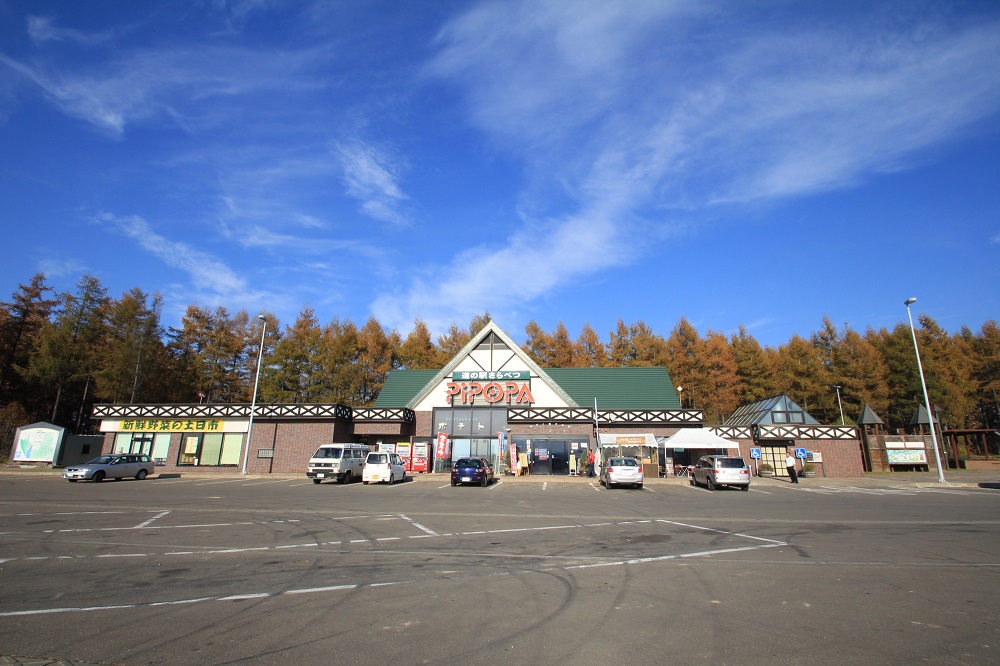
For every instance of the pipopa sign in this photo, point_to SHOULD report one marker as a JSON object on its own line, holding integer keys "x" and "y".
{"x": 499, "y": 388}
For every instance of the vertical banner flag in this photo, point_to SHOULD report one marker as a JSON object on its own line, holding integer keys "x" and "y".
{"x": 442, "y": 446}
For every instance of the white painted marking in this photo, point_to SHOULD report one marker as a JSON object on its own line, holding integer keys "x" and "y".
{"x": 147, "y": 522}
{"x": 418, "y": 525}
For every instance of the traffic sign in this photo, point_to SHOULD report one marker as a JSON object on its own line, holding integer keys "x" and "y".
{"x": 755, "y": 453}
{"x": 801, "y": 453}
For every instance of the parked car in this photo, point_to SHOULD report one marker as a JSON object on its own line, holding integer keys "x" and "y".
{"x": 621, "y": 472}
{"x": 113, "y": 466}
{"x": 383, "y": 467}
{"x": 719, "y": 471}
{"x": 343, "y": 462}
{"x": 472, "y": 470}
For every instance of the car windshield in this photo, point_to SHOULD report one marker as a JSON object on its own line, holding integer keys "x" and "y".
{"x": 328, "y": 453}
{"x": 732, "y": 462}
{"x": 467, "y": 462}
{"x": 623, "y": 462}
{"x": 377, "y": 458}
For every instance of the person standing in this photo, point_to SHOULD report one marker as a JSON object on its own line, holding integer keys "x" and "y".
{"x": 790, "y": 464}
{"x": 590, "y": 463}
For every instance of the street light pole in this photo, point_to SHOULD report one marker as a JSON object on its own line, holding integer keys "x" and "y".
{"x": 840, "y": 404}
{"x": 253, "y": 400}
{"x": 927, "y": 401}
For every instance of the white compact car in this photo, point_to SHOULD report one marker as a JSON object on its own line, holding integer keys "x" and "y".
{"x": 383, "y": 468}
{"x": 621, "y": 472}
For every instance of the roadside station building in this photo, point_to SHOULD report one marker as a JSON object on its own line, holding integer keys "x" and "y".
{"x": 491, "y": 400}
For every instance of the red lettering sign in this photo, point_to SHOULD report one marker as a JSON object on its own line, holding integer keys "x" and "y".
{"x": 492, "y": 392}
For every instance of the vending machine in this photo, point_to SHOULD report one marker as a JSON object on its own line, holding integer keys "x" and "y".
{"x": 420, "y": 458}
{"x": 403, "y": 449}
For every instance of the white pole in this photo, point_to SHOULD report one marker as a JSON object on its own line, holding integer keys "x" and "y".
{"x": 840, "y": 404}
{"x": 923, "y": 384}
{"x": 253, "y": 400}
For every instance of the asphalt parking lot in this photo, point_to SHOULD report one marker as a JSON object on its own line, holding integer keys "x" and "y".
{"x": 221, "y": 570}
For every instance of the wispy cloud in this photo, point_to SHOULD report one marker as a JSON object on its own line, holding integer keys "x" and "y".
{"x": 371, "y": 175}
{"x": 42, "y": 29}
{"x": 207, "y": 273}
{"x": 674, "y": 106}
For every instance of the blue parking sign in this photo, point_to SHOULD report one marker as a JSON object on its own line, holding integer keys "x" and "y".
{"x": 800, "y": 453}
{"x": 755, "y": 453}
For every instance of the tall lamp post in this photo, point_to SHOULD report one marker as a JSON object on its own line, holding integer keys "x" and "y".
{"x": 680, "y": 398}
{"x": 253, "y": 400}
{"x": 927, "y": 401}
{"x": 840, "y": 404}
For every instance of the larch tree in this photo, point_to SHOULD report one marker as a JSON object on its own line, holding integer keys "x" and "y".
{"x": 418, "y": 351}
{"x": 591, "y": 352}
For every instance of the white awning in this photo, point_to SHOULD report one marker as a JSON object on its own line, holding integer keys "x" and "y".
{"x": 698, "y": 438}
{"x": 637, "y": 439}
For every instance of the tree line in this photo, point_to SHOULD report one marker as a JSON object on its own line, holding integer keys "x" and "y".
{"x": 60, "y": 353}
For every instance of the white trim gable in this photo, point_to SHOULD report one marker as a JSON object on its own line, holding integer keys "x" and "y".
{"x": 481, "y": 356}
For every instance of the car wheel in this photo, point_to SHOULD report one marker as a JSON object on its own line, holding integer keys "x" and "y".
{"x": 142, "y": 474}
{"x": 346, "y": 478}
{"x": 98, "y": 476}
{"x": 71, "y": 480}
{"x": 454, "y": 483}
{"x": 638, "y": 486}
{"x": 691, "y": 481}
{"x": 709, "y": 483}
{"x": 485, "y": 481}
{"x": 317, "y": 481}
{"x": 745, "y": 487}
{"x": 365, "y": 482}
{"x": 392, "y": 477}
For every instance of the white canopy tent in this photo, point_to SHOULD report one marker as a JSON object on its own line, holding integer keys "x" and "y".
{"x": 698, "y": 438}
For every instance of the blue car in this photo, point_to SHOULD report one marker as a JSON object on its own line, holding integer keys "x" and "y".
{"x": 476, "y": 471}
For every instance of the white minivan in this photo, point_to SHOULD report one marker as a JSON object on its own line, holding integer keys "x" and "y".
{"x": 343, "y": 462}
{"x": 387, "y": 467}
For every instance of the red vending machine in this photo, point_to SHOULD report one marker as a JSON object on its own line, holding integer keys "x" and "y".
{"x": 420, "y": 458}
{"x": 403, "y": 449}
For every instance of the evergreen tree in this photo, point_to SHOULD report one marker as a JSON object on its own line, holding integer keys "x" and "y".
{"x": 22, "y": 321}
{"x": 68, "y": 350}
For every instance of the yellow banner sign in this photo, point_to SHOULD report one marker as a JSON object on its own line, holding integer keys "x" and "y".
{"x": 171, "y": 425}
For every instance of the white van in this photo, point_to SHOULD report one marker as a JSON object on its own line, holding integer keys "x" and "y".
{"x": 343, "y": 462}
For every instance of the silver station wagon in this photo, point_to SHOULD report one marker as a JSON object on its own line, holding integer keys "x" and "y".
{"x": 112, "y": 466}
{"x": 719, "y": 471}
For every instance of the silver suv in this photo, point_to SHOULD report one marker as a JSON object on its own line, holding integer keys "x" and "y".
{"x": 112, "y": 466}
{"x": 718, "y": 471}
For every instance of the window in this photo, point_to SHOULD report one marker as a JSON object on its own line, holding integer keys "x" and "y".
{"x": 211, "y": 449}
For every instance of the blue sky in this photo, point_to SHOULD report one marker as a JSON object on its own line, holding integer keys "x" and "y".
{"x": 759, "y": 163}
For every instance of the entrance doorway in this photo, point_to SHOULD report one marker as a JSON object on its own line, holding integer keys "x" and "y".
{"x": 774, "y": 455}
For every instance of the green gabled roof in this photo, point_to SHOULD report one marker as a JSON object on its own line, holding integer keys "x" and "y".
{"x": 618, "y": 388}
{"x": 402, "y": 385}
{"x": 614, "y": 388}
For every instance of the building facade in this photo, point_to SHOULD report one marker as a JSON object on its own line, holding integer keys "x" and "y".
{"x": 491, "y": 400}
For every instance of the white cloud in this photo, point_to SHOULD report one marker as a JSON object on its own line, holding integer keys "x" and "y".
{"x": 207, "y": 273}
{"x": 41, "y": 29}
{"x": 370, "y": 175}
{"x": 632, "y": 108}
